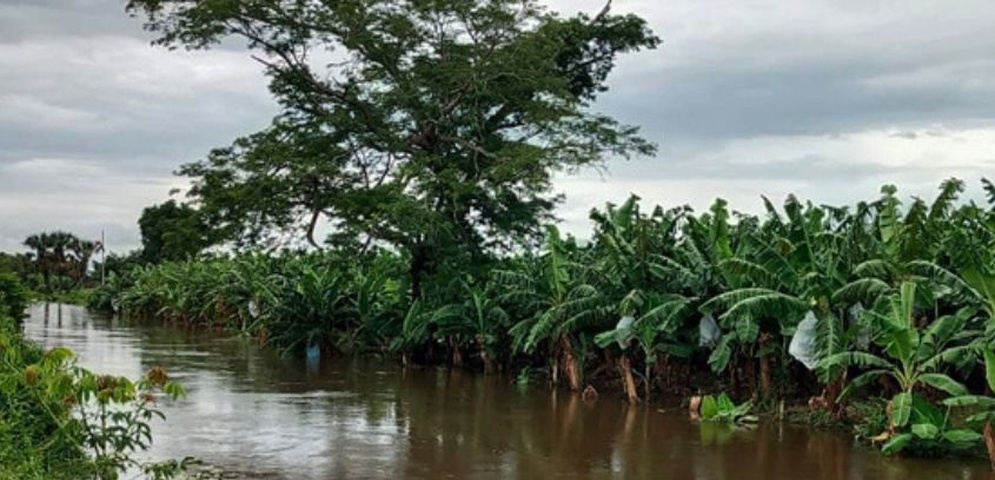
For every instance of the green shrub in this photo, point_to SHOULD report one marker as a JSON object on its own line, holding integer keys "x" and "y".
{"x": 61, "y": 421}
{"x": 14, "y": 297}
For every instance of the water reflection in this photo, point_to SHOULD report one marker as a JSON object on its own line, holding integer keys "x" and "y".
{"x": 261, "y": 416}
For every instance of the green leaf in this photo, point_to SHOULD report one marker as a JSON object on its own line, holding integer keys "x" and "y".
{"x": 855, "y": 359}
{"x": 901, "y": 409}
{"x": 709, "y": 409}
{"x": 962, "y": 437}
{"x": 923, "y": 411}
{"x": 970, "y": 401}
{"x": 742, "y": 409}
{"x": 725, "y": 404}
{"x": 897, "y": 443}
{"x": 925, "y": 431}
{"x": 719, "y": 359}
{"x": 979, "y": 418}
{"x": 861, "y": 381}
{"x": 605, "y": 338}
{"x": 748, "y": 330}
{"x": 679, "y": 350}
{"x": 990, "y": 367}
{"x": 943, "y": 382}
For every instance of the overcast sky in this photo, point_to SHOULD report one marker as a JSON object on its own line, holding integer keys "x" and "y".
{"x": 826, "y": 99}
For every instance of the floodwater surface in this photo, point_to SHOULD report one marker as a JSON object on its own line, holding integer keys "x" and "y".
{"x": 259, "y": 416}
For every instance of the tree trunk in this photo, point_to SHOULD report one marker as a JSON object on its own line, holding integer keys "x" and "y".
{"x": 625, "y": 368}
{"x": 555, "y": 377}
{"x": 415, "y": 282}
{"x": 457, "y": 354}
{"x": 48, "y": 280}
{"x": 766, "y": 380}
{"x": 489, "y": 365}
{"x": 694, "y": 408}
{"x": 831, "y": 393}
{"x": 417, "y": 267}
{"x": 990, "y": 443}
{"x": 647, "y": 371}
{"x": 570, "y": 364}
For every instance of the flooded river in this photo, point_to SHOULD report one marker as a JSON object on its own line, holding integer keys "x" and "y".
{"x": 259, "y": 416}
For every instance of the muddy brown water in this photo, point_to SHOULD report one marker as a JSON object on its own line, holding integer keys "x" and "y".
{"x": 259, "y": 416}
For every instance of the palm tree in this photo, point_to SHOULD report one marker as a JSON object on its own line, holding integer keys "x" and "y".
{"x": 40, "y": 257}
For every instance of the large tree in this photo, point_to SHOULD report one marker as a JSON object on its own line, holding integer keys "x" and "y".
{"x": 172, "y": 231}
{"x": 434, "y": 126}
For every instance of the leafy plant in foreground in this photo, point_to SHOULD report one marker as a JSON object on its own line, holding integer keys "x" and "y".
{"x": 722, "y": 409}
{"x": 913, "y": 359}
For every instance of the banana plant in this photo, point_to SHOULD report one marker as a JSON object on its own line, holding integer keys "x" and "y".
{"x": 311, "y": 305}
{"x": 654, "y": 333}
{"x": 912, "y": 357}
{"x": 629, "y": 247}
{"x": 787, "y": 268}
{"x": 415, "y": 331}
{"x": 901, "y": 246}
{"x": 478, "y": 319}
{"x": 560, "y": 306}
{"x": 983, "y": 418}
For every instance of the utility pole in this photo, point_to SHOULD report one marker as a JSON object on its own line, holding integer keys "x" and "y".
{"x": 103, "y": 256}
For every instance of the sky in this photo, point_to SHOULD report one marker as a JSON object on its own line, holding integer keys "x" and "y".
{"x": 824, "y": 99}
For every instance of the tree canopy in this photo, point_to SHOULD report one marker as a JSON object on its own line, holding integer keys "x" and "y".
{"x": 433, "y": 126}
{"x": 172, "y": 231}
{"x": 60, "y": 258}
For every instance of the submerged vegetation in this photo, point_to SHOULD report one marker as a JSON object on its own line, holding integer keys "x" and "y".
{"x": 428, "y": 153}
{"x": 805, "y": 301}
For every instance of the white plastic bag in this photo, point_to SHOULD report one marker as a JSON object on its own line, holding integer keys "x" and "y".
{"x": 623, "y": 331}
{"x": 802, "y": 345}
{"x": 709, "y": 332}
{"x": 863, "y": 340}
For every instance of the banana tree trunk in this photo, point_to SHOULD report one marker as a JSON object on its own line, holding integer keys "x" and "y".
{"x": 570, "y": 364}
{"x": 990, "y": 443}
{"x": 766, "y": 380}
{"x": 406, "y": 358}
{"x": 647, "y": 371}
{"x": 766, "y": 375}
{"x": 625, "y": 368}
{"x": 832, "y": 392}
{"x": 457, "y": 354}
{"x": 555, "y": 377}
{"x": 490, "y": 366}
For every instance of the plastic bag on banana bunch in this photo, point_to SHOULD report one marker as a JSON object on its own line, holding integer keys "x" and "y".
{"x": 802, "y": 346}
{"x": 709, "y": 332}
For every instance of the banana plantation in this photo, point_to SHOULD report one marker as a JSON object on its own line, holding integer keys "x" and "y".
{"x": 889, "y": 301}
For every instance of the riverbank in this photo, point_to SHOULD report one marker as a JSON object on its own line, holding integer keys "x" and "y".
{"x": 257, "y": 414}
{"x": 59, "y": 420}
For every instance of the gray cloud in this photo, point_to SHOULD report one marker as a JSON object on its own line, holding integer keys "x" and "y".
{"x": 825, "y": 98}
{"x": 22, "y": 20}
{"x": 740, "y": 69}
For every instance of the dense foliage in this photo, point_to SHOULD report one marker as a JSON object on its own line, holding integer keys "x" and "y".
{"x": 61, "y": 421}
{"x": 423, "y": 135}
{"x": 805, "y": 300}
{"x": 436, "y": 130}
{"x": 172, "y": 231}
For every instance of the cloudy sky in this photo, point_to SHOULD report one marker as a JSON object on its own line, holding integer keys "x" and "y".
{"x": 826, "y": 99}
